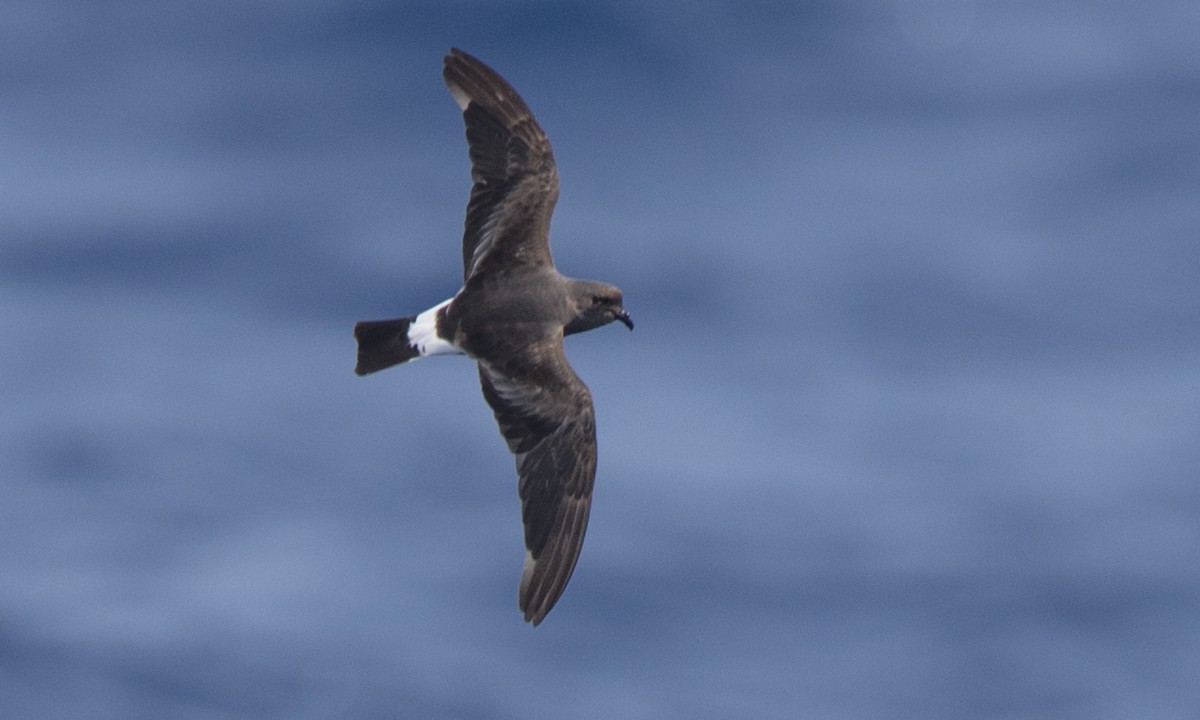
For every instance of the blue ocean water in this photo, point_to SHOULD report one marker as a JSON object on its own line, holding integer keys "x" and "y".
{"x": 907, "y": 428}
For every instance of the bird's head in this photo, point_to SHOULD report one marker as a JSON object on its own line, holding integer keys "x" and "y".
{"x": 595, "y": 305}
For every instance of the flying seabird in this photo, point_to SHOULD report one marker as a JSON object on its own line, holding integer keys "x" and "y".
{"x": 510, "y": 316}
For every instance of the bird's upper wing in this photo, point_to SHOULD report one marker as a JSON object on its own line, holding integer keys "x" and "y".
{"x": 512, "y": 166}
{"x": 545, "y": 413}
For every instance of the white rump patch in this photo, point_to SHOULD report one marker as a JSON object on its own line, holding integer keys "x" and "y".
{"x": 422, "y": 334}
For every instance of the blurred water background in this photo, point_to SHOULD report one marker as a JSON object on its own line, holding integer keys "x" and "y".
{"x": 907, "y": 429}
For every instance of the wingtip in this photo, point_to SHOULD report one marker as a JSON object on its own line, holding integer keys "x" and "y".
{"x": 456, "y": 56}
{"x": 533, "y": 609}
{"x": 449, "y": 75}
{"x": 523, "y": 591}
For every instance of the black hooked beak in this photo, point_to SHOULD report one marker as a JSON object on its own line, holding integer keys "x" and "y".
{"x": 624, "y": 318}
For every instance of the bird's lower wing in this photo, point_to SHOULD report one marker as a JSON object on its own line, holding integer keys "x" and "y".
{"x": 545, "y": 413}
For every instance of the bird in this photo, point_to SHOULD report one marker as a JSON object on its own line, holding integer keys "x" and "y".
{"x": 510, "y": 316}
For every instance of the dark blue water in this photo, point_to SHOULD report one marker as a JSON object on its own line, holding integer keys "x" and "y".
{"x": 908, "y": 427}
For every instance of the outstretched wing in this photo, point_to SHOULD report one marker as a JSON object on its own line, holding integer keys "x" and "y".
{"x": 512, "y": 166}
{"x": 545, "y": 413}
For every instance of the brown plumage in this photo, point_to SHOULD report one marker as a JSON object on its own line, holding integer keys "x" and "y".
{"x": 510, "y": 316}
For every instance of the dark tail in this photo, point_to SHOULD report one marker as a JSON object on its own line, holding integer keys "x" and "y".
{"x": 382, "y": 344}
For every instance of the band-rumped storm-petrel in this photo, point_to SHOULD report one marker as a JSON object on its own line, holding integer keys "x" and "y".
{"x": 510, "y": 316}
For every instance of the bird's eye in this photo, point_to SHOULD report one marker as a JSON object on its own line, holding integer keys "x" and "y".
{"x": 600, "y": 300}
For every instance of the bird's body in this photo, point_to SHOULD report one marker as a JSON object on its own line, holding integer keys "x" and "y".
{"x": 511, "y": 315}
